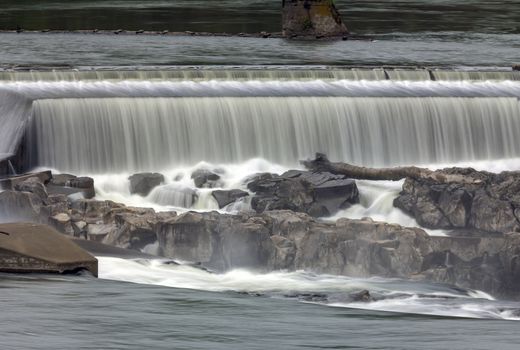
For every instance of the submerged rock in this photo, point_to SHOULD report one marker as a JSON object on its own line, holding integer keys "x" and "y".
{"x": 318, "y": 194}
{"x": 144, "y": 183}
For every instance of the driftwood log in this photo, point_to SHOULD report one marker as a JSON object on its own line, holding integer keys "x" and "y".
{"x": 322, "y": 163}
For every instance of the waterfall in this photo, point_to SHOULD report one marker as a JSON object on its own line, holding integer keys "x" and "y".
{"x": 137, "y": 134}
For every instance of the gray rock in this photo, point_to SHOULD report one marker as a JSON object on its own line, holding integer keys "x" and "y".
{"x": 205, "y": 178}
{"x": 491, "y": 204}
{"x": 224, "y": 198}
{"x": 61, "y": 179}
{"x": 33, "y": 185}
{"x": 144, "y": 183}
{"x": 295, "y": 241}
{"x": 86, "y": 184}
{"x": 318, "y": 194}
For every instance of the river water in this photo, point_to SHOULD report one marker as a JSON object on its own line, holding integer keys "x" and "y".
{"x": 109, "y": 105}
{"x": 49, "y": 312}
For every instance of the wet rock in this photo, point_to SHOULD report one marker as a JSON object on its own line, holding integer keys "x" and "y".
{"x": 516, "y": 67}
{"x": 33, "y": 185}
{"x": 318, "y": 194}
{"x": 490, "y": 204}
{"x": 176, "y": 195}
{"x": 135, "y": 228}
{"x": 98, "y": 232}
{"x": 86, "y": 184}
{"x": 61, "y": 179}
{"x": 225, "y": 198}
{"x": 204, "y": 178}
{"x": 144, "y": 183}
{"x": 10, "y": 182}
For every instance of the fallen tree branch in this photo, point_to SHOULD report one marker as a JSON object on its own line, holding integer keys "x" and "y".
{"x": 322, "y": 163}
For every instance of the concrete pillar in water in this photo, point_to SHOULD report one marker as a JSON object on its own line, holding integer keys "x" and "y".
{"x": 311, "y": 18}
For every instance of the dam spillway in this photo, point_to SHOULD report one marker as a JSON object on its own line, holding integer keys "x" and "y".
{"x": 122, "y": 121}
{"x": 144, "y": 134}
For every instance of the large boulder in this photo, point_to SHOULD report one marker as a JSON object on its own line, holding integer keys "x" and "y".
{"x": 318, "y": 194}
{"x": 204, "y": 178}
{"x": 491, "y": 203}
{"x": 143, "y": 183}
{"x": 86, "y": 184}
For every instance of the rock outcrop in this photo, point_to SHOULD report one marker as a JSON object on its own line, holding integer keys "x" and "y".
{"x": 289, "y": 240}
{"x": 317, "y": 194}
{"x": 311, "y": 18}
{"x": 491, "y": 204}
{"x": 293, "y": 241}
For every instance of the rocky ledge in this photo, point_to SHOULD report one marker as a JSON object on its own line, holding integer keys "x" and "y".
{"x": 278, "y": 239}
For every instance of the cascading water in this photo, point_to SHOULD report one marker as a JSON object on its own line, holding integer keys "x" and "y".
{"x": 130, "y": 135}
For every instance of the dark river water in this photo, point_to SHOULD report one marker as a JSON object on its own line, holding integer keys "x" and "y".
{"x": 234, "y": 16}
{"x": 51, "y": 312}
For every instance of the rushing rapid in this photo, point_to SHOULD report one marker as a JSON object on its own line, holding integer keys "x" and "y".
{"x": 392, "y": 295}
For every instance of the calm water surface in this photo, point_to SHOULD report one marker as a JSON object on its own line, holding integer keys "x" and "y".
{"x": 234, "y": 16}
{"x": 46, "y": 312}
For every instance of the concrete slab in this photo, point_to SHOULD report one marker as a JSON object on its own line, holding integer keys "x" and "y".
{"x": 27, "y": 247}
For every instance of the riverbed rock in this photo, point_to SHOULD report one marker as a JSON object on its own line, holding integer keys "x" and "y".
{"x": 144, "y": 183}
{"x": 204, "y": 178}
{"x": 226, "y": 197}
{"x": 491, "y": 203}
{"x": 318, "y": 194}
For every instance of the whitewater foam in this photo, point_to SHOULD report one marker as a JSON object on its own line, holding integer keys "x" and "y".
{"x": 391, "y": 295}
